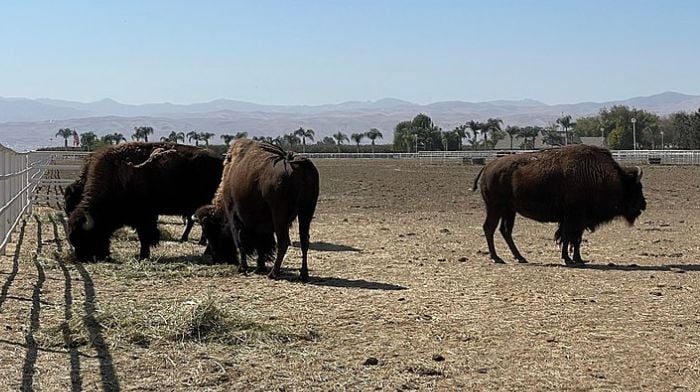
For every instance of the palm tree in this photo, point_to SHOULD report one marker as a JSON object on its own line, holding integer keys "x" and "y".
{"x": 107, "y": 139}
{"x": 267, "y": 139}
{"x": 87, "y": 140}
{"x": 173, "y": 137}
{"x": 65, "y": 133}
{"x": 116, "y": 137}
{"x": 206, "y": 136}
{"x": 291, "y": 140}
{"x": 566, "y": 124}
{"x": 304, "y": 134}
{"x": 476, "y": 128}
{"x": 240, "y": 135}
{"x": 142, "y": 133}
{"x": 227, "y": 138}
{"x": 193, "y": 135}
{"x": 461, "y": 132}
{"x": 340, "y": 137}
{"x": 512, "y": 131}
{"x": 357, "y": 137}
{"x": 492, "y": 126}
{"x": 373, "y": 134}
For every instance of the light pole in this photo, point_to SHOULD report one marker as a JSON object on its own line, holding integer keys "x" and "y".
{"x": 416, "y": 135}
{"x": 662, "y": 140}
{"x": 602, "y": 136}
{"x": 634, "y": 133}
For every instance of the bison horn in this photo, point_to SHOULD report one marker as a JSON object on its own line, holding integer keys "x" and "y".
{"x": 639, "y": 173}
{"x": 89, "y": 222}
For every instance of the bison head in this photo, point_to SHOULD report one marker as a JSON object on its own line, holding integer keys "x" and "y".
{"x": 89, "y": 240}
{"x": 72, "y": 195}
{"x": 633, "y": 202}
{"x": 220, "y": 244}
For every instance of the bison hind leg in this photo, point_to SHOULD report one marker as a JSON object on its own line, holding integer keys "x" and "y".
{"x": 507, "y": 222}
{"x": 490, "y": 225}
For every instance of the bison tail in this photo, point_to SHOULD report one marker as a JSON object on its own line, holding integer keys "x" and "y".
{"x": 476, "y": 180}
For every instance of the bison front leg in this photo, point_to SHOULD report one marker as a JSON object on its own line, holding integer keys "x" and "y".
{"x": 148, "y": 236}
{"x": 189, "y": 222}
{"x": 577, "y": 248}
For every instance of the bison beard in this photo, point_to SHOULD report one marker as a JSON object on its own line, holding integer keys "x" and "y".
{"x": 262, "y": 191}
{"x": 131, "y": 184}
{"x": 579, "y": 187}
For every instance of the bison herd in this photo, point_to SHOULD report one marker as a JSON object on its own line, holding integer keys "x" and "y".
{"x": 257, "y": 190}
{"x": 247, "y": 199}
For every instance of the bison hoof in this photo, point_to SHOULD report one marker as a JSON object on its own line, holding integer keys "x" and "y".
{"x": 580, "y": 261}
{"x": 272, "y": 276}
{"x": 304, "y": 277}
{"x": 522, "y": 260}
{"x": 498, "y": 260}
{"x": 568, "y": 261}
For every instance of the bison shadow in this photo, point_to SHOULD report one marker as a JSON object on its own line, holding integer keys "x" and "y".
{"x": 629, "y": 267}
{"x": 321, "y": 246}
{"x": 353, "y": 283}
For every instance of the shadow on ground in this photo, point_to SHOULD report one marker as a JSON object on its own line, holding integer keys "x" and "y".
{"x": 328, "y": 247}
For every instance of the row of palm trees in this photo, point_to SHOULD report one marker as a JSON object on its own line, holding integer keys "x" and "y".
{"x": 297, "y": 137}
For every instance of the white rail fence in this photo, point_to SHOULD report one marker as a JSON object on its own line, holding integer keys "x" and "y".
{"x": 21, "y": 174}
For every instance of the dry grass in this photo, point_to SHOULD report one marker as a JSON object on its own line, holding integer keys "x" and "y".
{"x": 400, "y": 275}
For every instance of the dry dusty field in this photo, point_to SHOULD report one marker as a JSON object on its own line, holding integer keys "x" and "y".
{"x": 402, "y": 297}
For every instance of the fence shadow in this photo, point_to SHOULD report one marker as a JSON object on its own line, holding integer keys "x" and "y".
{"x": 110, "y": 382}
{"x": 321, "y": 246}
{"x": 28, "y": 368}
{"x": 75, "y": 378}
{"x": 15, "y": 264}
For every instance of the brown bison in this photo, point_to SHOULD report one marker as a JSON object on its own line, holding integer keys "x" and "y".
{"x": 579, "y": 187}
{"x": 73, "y": 193}
{"x": 262, "y": 191}
{"x": 131, "y": 184}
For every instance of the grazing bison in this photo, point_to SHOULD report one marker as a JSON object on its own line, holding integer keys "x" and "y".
{"x": 579, "y": 187}
{"x": 73, "y": 193}
{"x": 262, "y": 191}
{"x": 131, "y": 184}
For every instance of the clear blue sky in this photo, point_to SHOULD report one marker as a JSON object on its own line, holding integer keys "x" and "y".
{"x": 311, "y": 52}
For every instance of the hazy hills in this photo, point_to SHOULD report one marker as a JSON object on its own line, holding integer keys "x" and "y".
{"x": 30, "y": 123}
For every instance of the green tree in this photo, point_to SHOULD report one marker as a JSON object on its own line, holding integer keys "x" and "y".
{"x": 529, "y": 135}
{"x": 419, "y": 131}
{"x": 227, "y": 138}
{"x": 65, "y": 133}
{"x": 88, "y": 140}
{"x": 240, "y": 135}
{"x": 374, "y": 134}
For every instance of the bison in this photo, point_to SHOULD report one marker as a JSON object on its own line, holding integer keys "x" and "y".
{"x": 579, "y": 187}
{"x": 73, "y": 193}
{"x": 262, "y": 191}
{"x": 131, "y": 184}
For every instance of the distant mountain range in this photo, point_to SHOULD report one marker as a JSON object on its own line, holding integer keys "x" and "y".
{"x": 31, "y": 123}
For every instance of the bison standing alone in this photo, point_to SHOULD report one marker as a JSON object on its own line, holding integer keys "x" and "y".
{"x": 131, "y": 184}
{"x": 579, "y": 187}
{"x": 263, "y": 190}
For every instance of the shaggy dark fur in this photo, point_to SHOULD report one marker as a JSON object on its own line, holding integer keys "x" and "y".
{"x": 580, "y": 187}
{"x": 263, "y": 190}
{"x": 131, "y": 184}
{"x": 73, "y": 193}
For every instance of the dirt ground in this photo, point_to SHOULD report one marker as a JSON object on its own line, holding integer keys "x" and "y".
{"x": 402, "y": 297}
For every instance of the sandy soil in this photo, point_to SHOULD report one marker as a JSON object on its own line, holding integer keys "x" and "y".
{"x": 400, "y": 274}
